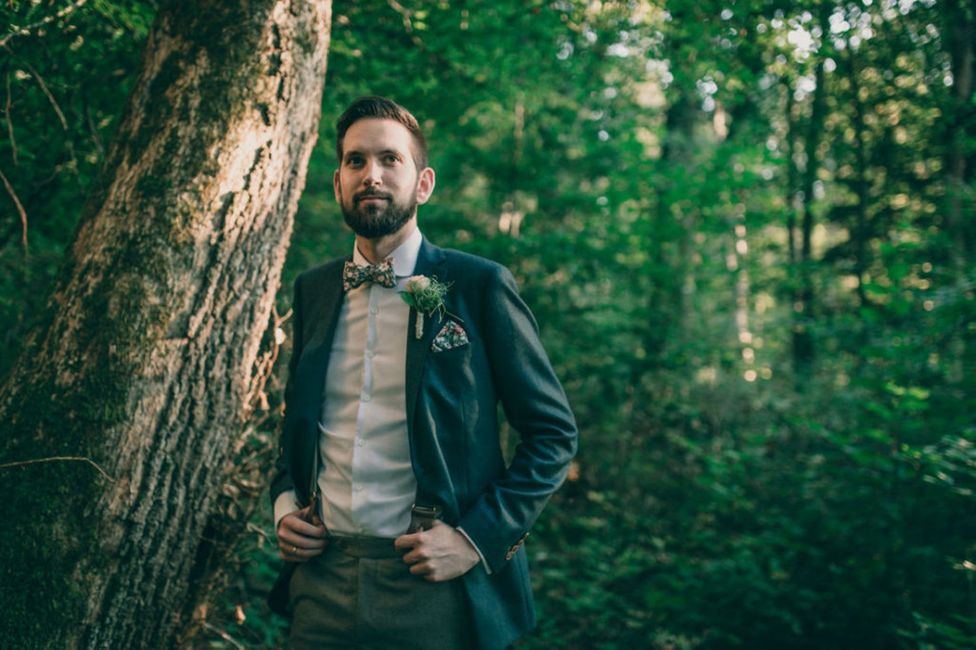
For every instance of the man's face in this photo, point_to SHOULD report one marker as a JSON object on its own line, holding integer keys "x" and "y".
{"x": 377, "y": 184}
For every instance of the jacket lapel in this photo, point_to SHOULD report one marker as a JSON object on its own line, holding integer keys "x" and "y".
{"x": 323, "y": 301}
{"x": 430, "y": 262}
{"x": 315, "y": 357}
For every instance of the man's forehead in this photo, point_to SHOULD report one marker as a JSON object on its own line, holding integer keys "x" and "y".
{"x": 377, "y": 134}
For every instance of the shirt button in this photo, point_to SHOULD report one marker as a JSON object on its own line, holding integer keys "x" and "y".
{"x": 370, "y": 354}
{"x": 358, "y": 488}
{"x": 365, "y": 397}
{"x": 373, "y": 309}
{"x": 359, "y": 442}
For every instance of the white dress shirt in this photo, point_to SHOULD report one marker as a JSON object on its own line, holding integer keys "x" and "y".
{"x": 367, "y": 479}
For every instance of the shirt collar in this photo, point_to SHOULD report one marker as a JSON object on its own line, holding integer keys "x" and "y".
{"x": 404, "y": 256}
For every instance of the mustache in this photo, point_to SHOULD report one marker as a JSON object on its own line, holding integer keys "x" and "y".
{"x": 359, "y": 196}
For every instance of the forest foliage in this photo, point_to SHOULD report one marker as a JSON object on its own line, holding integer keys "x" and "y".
{"x": 747, "y": 232}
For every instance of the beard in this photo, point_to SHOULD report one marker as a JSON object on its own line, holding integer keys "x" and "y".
{"x": 374, "y": 221}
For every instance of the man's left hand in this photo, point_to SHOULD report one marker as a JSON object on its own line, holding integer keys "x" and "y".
{"x": 441, "y": 553}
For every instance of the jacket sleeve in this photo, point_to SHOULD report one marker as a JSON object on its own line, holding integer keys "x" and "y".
{"x": 536, "y": 407}
{"x": 281, "y": 480}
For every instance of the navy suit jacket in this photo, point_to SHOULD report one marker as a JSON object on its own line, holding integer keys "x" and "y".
{"x": 452, "y": 401}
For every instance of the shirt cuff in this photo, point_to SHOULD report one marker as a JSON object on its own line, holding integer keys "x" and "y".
{"x": 476, "y": 549}
{"x": 286, "y": 503}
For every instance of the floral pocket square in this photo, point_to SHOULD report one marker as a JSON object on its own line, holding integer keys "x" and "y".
{"x": 451, "y": 336}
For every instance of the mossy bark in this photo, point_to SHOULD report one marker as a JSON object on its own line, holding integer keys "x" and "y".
{"x": 154, "y": 326}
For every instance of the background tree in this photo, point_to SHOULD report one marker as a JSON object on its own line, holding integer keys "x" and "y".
{"x": 129, "y": 397}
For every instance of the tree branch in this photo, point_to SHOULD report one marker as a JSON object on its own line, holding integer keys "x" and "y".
{"x": 10, "y": 124}
{"x": 24, "y": 31}
{"x": 223, "y": 635}
{"x": 404, "y": 13}
{"x": 20, "y": 209}
{"x": 94, "y": 130}
{"x": 52, "y": 459}
{"x": 47, "y": 93}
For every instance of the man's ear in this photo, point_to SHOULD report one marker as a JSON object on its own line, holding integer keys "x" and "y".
{"x": 335, "y": 187}
{"x": 425, "y": 184}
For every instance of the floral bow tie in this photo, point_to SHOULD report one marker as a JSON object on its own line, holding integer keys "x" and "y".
{"x": 354, "y": 275}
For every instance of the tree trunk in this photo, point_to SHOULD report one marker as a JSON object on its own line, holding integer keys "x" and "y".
{"x": 960, "y": 155}
{"x": 143, "y": 363}
{"x": 803, "y": 345}
{"x": 960, "y": 34}
{"x": 861, "y": 185}
{"x": 792, "y": 174}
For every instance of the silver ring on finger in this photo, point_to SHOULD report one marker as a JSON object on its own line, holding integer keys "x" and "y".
{"x": 294, "y": 550}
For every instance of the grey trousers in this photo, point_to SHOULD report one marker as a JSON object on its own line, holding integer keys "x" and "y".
{"x": 360, "y": 594}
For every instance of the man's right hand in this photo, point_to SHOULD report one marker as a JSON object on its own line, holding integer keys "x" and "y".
{"x": 301, "y": 536}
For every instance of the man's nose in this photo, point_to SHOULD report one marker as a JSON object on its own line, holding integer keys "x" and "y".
{"x": 372, "y": 174}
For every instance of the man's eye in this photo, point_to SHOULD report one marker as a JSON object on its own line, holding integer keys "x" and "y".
{"x": 354, "y": 162}
{"x": 390, "y": 159}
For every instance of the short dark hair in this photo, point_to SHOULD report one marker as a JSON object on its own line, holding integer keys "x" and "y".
{"x": 385, "y": 109}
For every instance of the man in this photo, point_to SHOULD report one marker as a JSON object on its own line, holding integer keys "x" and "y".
{"x": 402, "y": 525}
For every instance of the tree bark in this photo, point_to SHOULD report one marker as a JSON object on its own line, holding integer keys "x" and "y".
{"x": 143, "y": 363}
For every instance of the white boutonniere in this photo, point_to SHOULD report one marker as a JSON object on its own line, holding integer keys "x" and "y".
{"x": 426, "y": 295}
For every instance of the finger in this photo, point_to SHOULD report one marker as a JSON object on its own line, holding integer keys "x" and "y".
{"x": 301, "y": 527}
{"x": 287, "y": 547}
{"x": 304, "y": 515}
{"x": 287, "y": 518}
{"x": 308, "y": 515}
{"x": 416, "y": 554}
{"x": 407, "y": 541}
{"x": 288, "y": 556}
{"x": 286, "y": 537}
{"x": 292, "y": 553}
{"x": 422, "y": 569}
{"x": 303, "y": 533}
